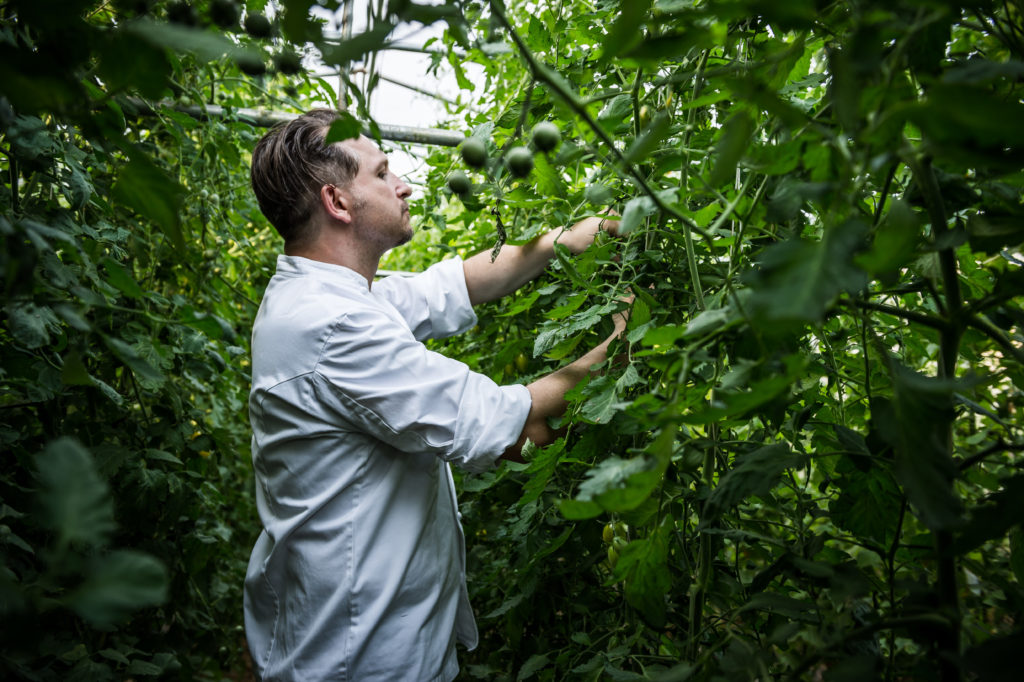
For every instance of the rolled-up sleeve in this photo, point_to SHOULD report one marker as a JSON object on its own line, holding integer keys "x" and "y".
{"x": 435, "y": 303}
{"x": 389, "y": 385}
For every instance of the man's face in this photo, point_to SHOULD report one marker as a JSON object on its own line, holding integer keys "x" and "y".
{"x": 379, "y": 210}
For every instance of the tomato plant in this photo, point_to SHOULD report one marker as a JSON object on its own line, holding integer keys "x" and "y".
{"x": 803, "y": 462}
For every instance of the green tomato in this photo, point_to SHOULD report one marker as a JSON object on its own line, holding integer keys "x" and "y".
{"x": 474, "y": 152}
{"x": 459, "y": 183}
{"x": 546, "y": 136}
{"x": 288, "y": 62}
{"x": 522, "y": 362}
{"x": 225, "y": 13}
{"x": 519, "y": 161}
{"x": 608, "y": 533}
{"x": 257, "y": 25}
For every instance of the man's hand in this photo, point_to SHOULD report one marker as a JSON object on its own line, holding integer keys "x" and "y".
{"x": 547, "y": 394}
{"x": 581, "y": 235}
{"x": 488, "y": 280}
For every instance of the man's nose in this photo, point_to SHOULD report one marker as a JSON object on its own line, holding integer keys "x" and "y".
{"x": 403, "y": 190}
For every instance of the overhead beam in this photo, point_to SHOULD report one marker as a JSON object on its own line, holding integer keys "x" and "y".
{"x": 264, "y": 118}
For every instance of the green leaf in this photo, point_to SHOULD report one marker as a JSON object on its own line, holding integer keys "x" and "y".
{"x": 625, "y": 32}
{"x": 994, "y": 517}
{"x": 895, "y": 241}
{"x": 75, "y": 499}
{"x": 542, "y": 467}
{"x": 643, "y": 568}
{"x": 731, "y": 146}
{"x": 73, "y": 371}
{"x": 130, "y": 61}
{"x": 1017, "y": 554}
{"x": 533, "y": 665}
{"x": 119, "y": 584}
{"x": 599, "y": 194}
{"x": 346, "y": 127}
{"x": 149, "y": 191}
{"x": 916, "y": 423}
{"x": 30, "y": 324}
{"x": 799, "y": 280}
{"x": 868, "y": 505}
{"x": 132, "y": 359}
{"x": 793, "y": 609}
{"x": 121, "y": 279}
{"x": 345, "y": 51}
{"x": 991, "y": 233}
{"x": 649, "y": 138}
{"x": 752, "y": 474}
{"x": 205, "y": 45}
{"x": 635, "y": 211}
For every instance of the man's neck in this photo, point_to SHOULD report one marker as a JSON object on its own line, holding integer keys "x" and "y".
{"x": 338, "y": 254}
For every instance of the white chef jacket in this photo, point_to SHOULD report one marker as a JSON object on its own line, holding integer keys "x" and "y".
{"x": 359, "y": 573}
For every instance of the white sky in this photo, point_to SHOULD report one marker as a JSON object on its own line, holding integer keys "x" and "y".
{"x": 392, "y": 104}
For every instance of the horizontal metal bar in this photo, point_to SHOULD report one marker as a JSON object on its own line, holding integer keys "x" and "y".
{"x": 263, "y": 118}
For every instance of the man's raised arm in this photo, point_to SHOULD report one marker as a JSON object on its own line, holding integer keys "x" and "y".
{"x": 548, "y": 392}
{"x": 517, "y": 265}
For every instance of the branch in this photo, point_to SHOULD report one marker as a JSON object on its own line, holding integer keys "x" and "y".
{"x": 908, "y": 315}
{"x": 931, "y": 619}
{"x": 985, "y": 326}
{"x": 542, "y": 73}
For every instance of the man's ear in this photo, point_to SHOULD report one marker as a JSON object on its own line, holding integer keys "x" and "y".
{"x": 337, "y": 203}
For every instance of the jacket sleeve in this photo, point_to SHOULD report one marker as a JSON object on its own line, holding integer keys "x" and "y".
{"x": 435, "y": 303}
{"x": 376, "y": 375}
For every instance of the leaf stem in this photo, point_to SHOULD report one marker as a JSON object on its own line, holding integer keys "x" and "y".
{"x": 543, "y": 74}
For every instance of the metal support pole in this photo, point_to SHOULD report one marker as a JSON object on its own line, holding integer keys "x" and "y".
{"x": 263, "y": 118}
{"x": 346, "y": 34}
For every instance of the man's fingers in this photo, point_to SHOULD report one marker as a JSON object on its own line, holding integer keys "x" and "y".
{"x": 608, "y": 222}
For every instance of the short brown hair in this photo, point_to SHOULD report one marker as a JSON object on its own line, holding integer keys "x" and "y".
{"x": 289, "y": 166}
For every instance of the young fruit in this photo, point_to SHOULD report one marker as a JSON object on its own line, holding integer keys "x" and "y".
{"x": 459, "y": 183}
{"x": 608, "y": 533}
{"x": 288, "y": 62}
{"x": 474, "y": 152}
{"x": 522, "y": 362}
{"x": 225, "y": 13}
{"x": 257, "y": 25}
{"x": 519, "y": 161}
{"x": 546, "y": 136}
{"x": 251, "y": 64}
{"x": 182, "y": 13}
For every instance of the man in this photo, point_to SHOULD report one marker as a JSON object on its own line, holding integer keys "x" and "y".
{"x": 359, "y": 571}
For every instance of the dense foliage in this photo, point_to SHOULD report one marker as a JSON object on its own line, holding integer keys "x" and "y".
{"x": 803, "y": 463}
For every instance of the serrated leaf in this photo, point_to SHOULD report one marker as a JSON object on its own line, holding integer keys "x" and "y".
{"x": 121, "y": 279}
{"x": 731, "y": 146}
{"x": 149, "y": 191}
{"x": 752, "y": 474}
{"x": 346, "y": 127}
{"x": 533, "y": 665}
{"x": 643, "y": 568}
{"x": 77, "y": 505}
{"x": 635, "y": 211}
{"x": 895, "y": 240}
{"x": 798, "y": 280}
{"x": 345, "y": 51}
{"x": 625, "y": 32}
{"x": 133, "y": 359}
{"x": 30, "y": 324}
{"x": 868, "y": 505}
{"x": 649, "y": 138}
{"x": 916, "y": 424}
{"x": 119, "y": 584}
{"x": 994, "y": 517}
